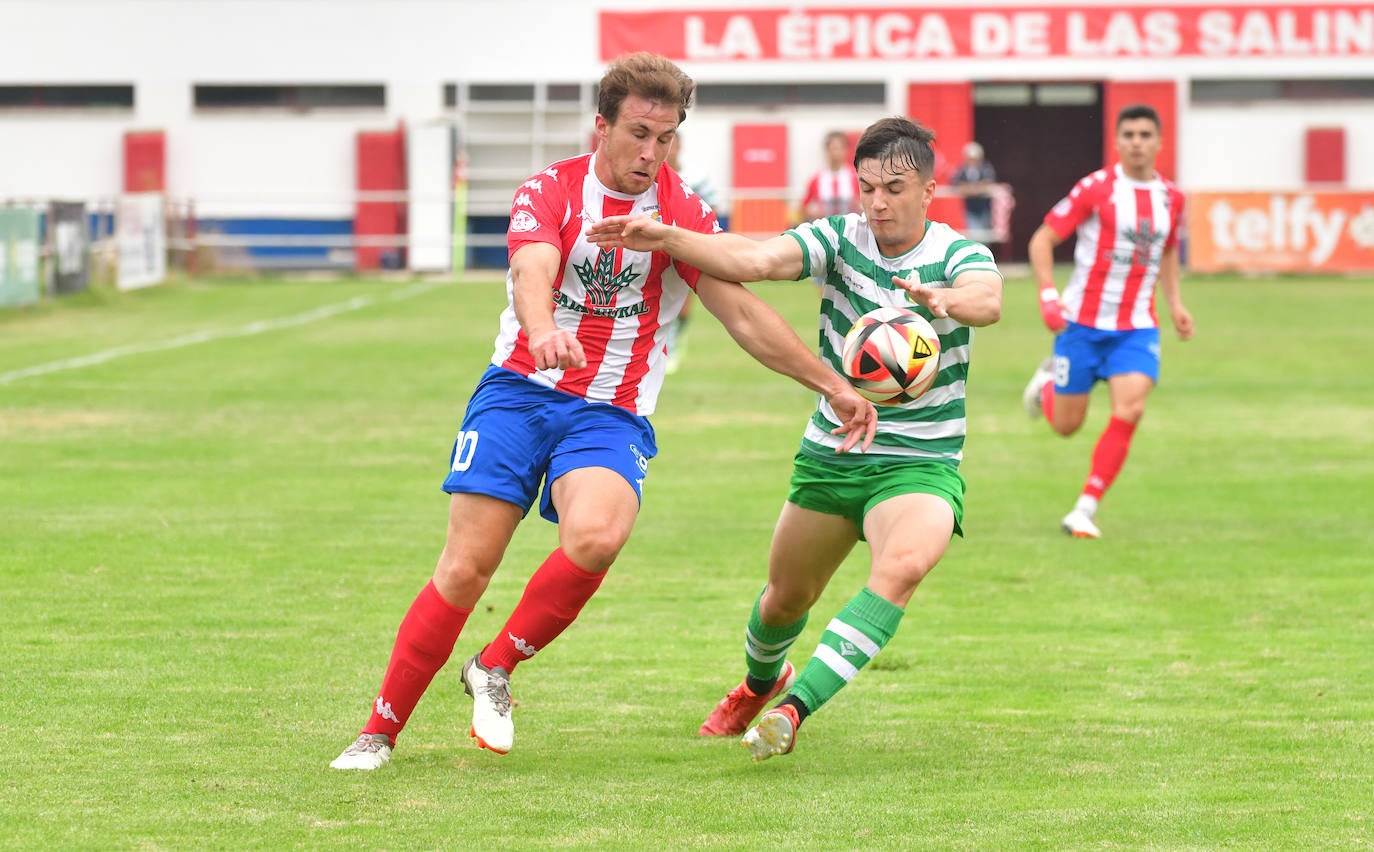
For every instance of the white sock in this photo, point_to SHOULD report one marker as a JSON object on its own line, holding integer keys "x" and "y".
{"x": 1087, "y": 505}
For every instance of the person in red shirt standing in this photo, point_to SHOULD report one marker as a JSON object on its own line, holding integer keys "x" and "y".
{"x": 564, "y": 404}
{"x": 1128, "y": 219}
{"x": 834, "y": 190}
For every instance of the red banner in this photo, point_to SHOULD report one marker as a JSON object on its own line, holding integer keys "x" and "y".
{"x": 1098, "y": 32}
{"x": 1281, "y": 231}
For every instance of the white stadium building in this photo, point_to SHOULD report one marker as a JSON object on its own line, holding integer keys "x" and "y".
{"x": 324, "y": 133}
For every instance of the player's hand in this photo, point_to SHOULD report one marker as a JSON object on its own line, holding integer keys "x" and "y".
{"x": 1183, "y": 321}
{"x": 1051, "y": 311}
{"x": 934, "y": 299}
{"x": 556, "y": 348}
{"x": 858, "y": 419}
{"x": 636, "y": 233}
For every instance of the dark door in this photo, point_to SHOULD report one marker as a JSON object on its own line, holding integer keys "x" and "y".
{"x": 1041, "y": 138}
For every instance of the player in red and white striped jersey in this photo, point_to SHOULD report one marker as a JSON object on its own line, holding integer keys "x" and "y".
{"x": 834, "y": 190}
{"x": 1128, "y": 219}
{"x": 563, "y": 406}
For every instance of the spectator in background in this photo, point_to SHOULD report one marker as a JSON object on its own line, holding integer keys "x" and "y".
{"x": 1128, "y": 219}
{"x": 834, "y": 190}
{"x": 973, "y": 180}
{"x": 698, "y": 182}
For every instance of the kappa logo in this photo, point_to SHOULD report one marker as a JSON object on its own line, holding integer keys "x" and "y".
{"x": 384, "y": 710}
{"x": 523, "y": 200}
{"x": 847, "y": 649}
{"x": 551, "y": 172}
{"x": 522, "y": 646}
{"x": 522, "y": 222}
{"x": 534, "y": 184}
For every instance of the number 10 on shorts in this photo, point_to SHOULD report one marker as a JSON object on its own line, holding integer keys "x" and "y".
{"x": 463, "y": 448}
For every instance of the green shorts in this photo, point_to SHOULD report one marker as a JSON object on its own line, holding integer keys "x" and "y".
{"x": 851, "y": 490}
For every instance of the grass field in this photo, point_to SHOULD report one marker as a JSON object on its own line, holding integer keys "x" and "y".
{"x": 206, "y": 544}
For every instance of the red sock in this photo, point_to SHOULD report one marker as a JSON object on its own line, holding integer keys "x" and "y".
{"x": 553, "y": 597}
{"x": 423, "y": 644}
{"x": 1047, "y": 399}
{"x": 1108, "y": 457}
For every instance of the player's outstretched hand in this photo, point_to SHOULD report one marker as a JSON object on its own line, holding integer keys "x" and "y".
{"x": 636, "y": 233}
{"x": 557, "y": 349}
{"x": 858, "y": 420}
{"x": 934, "y": 299}
{"x": 1051, "y": 311}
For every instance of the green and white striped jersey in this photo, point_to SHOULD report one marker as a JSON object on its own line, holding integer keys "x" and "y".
{"x": 855, "y": 277}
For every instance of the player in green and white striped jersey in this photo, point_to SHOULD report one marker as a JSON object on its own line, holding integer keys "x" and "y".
{"x": 904, "y": 495}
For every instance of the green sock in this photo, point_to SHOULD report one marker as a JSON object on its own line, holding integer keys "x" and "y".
{"x": 852, "y": 638}
{"x": 765, "y": 648}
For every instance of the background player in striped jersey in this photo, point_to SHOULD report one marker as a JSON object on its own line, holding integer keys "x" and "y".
{"x": 834, "y": 190}
{"x": 578, "y": 366}
{"x": 1128, "y": 220}
{"x": 904, "y": 495}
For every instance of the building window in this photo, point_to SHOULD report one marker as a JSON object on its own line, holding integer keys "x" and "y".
{"x": 1039, "y": 94}
{"x": 557, "y": 94}
{"x": 1243, "y": 91}
{"x": 791, "y": 94}
{"x": 66, "y": 97}
{"x": 295, "y": 98}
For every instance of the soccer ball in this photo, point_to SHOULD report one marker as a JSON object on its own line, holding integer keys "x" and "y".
{"x": 891, "y": 355}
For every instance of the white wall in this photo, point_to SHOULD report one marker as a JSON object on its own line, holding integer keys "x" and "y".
{"x": 1262, "y": 147}
{"x": 302, "y": 164}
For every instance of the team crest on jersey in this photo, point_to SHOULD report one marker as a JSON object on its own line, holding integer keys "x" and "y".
{"x": 602, "y": 281}
{"x": 522, "y": 222}
{"x": 1142, "y": 240}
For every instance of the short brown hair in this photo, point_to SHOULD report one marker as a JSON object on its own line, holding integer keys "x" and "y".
{"x": 900, "y": 143}
{"x": 649, "y": 76}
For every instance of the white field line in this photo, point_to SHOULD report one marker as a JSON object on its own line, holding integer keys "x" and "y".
{"x": 194, "y": 337}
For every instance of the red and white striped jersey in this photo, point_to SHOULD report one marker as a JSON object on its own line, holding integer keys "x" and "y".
{"x": 1124, "y": 227}
{"x": 836, "y": 192}
{"x": 619, "y": 303}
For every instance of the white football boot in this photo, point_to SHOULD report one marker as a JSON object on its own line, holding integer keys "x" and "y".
{"x": 491, "y": 712}
{"x": 1079, "y": 525}
{"x": 369, "y": 751}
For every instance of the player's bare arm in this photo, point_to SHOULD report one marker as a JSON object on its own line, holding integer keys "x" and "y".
{"x": 534, "y": 268}
{"x": 974, "y": 298}
{"x": 1169, "y": 283}
{"x": 765, "y": 335}
{"x": 1040, "y": 252}
{"x": 730, "y": 257}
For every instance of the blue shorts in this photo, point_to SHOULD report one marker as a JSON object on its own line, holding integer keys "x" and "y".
{"x": 1083, "y": 355}
{"x": 516, "y": 433}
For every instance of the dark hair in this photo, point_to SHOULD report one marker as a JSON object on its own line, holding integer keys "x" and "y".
{"x": 1131, "y": 111}
{"x": 649, "y": 76}
{"x": 900, "y": 143}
